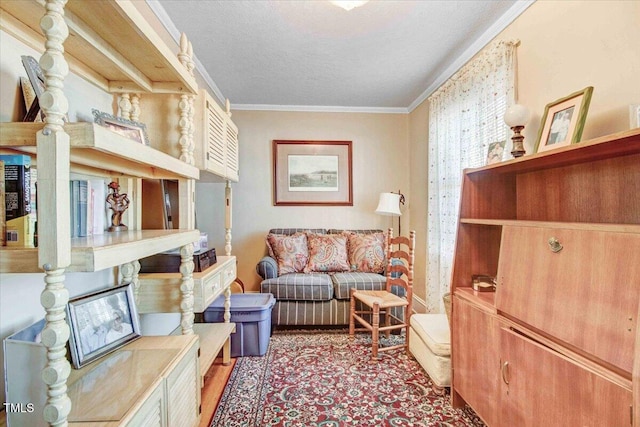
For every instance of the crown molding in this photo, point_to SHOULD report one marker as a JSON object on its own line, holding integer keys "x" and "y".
{"x": 319, "y": 109}
{"x": 505, "y": 20}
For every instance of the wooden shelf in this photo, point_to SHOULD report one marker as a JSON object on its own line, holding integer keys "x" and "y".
{"x": 102, "y": 251}
{"x": 610, "y": 146}
{"x": 486, "y": 300}
{"x": 97, "y": 150}
{"x": 98, "y": 31}
{"x": 213, "y": 337}
{"x": 615, "y": 228}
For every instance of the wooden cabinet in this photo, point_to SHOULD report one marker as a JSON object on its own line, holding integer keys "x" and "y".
{"x": 477, "y": 383}
{"x": 557, "y": 343}
{"x": 153, "y": 381}
{"x": 217, "y": 148}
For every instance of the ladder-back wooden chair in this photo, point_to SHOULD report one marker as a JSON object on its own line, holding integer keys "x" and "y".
{"x": 377, "y": 303}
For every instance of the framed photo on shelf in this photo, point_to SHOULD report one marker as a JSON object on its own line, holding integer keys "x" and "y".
{"x": 33, "y": 88}
{"x": 101, "y": 322}
{"x": 128, "y": 128}
{"x": 563, "y": 120}
{"x": 312, "y": 173}
{"x": 495, "y": 151}
{"x": 634, "y": 116}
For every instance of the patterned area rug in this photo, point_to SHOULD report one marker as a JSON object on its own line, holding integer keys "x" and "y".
{"x": 322, "y": 378}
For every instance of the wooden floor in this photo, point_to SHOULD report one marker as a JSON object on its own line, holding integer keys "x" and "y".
{"x": 215, "y": 381}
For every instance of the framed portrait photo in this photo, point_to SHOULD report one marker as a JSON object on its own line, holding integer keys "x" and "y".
{"x": 563, "y": 120}
{"x": 495, "y": 152}
{"x": 308, "y": 173}
{"x": 128, "y": 128}
{"x": 101, "y": 322}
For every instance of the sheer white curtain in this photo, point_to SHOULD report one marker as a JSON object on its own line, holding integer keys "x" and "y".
{"x": 466, "y": 114}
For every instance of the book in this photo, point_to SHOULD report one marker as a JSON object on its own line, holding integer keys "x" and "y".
{"x": 17, "y": 190}
{"x": 82, "y": 203}
{"x": 3, "y": 228}
{"x": 74, "y": 213}
{"x": 99, "y": 205}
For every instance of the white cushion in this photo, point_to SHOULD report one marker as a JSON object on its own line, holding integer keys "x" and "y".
{"x": 433, "y": 330}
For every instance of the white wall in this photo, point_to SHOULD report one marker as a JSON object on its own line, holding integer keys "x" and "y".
{"x": 380, "y": 164}
{"x": 20, "y": 293}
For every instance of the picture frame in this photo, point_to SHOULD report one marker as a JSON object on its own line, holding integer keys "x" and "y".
{"x": 634, "y": 116}
{"x": 312, "y": 173}
{"x": 128, "y": 128}
{"x": 37, "y": 87}
{"x": 563, "y": 120}
{"x": 495, "y": 152}
{"x": 101, "y": 322}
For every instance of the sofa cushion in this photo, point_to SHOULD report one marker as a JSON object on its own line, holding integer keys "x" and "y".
{"x": 290, "y": 252}
{"x": 366, "y": 252}
{"x": 299, "y": 287}
{"x": 327, "y": 253}
{"x": 343, "y": 282}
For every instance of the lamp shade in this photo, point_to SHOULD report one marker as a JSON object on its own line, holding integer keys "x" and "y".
{"x": 389, "y": 204}
{"x": 516, "y": 115}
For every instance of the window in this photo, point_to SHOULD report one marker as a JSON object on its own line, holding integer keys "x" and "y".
{"x": 466, "y": 114}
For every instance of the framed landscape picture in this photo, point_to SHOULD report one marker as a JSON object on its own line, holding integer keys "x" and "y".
{"x": 308, "y": 173}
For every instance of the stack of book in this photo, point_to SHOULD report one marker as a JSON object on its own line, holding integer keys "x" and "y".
{"x": 88, "y": 208}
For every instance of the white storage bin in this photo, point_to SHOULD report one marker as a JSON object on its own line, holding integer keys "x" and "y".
{"x": 24, "y": 360}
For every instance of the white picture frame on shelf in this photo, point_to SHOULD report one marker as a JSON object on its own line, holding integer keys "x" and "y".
{"x": 101, "y": 322}
{"x": 634, "y": 116}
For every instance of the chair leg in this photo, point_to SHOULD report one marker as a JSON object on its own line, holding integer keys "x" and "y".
{"x": 407, "y": 320}
{"x": 387, "y": 321}
{"x": 352, "y": 313}
{"x": 375, "y": 330}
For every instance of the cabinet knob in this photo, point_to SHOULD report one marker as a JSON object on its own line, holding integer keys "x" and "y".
{"x": 554, "y": 245}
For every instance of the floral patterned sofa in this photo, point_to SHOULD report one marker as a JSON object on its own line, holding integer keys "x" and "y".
{"x": 310, "y": 272}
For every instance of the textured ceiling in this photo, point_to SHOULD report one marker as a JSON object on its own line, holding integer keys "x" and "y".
{"x": 311, "y": 54}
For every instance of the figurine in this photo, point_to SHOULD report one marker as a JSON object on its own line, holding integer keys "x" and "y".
{"x": 118, "y": 203}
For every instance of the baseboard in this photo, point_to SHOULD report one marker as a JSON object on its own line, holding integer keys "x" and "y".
{"x": 419, "y": 305}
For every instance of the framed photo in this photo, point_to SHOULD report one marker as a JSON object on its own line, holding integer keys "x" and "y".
{"x": 563, "y": 120}
{"x": 34, "y": 88}
{"x": 127, "y": 128}
{"x": 495, "y": 151}
{"x": 634, "y": 116}
{"x": 100, "y": 323}
{"x": 310, "y": 173}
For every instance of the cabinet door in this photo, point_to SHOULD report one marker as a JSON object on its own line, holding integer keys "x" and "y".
{"x": 153, "y": 412}
{"x": 585, "y": 294}
{"x": 183, "y": 391}
{"x": 214, "y": 138}
{"x": 543, "y": 388}
{"x": 232, "y": 154}
{"x": 475, "y": 358}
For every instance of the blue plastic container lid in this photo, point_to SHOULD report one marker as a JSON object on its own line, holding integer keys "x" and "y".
{"x": 245, "y": 302}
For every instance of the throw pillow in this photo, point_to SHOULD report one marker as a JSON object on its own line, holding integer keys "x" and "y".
{"x": 327, "y": 253}
{"x": 366, "y": 252}
{"x": 290, "y": 252}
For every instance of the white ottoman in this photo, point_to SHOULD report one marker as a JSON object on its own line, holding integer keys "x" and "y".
{"x": 430, "y": 344}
